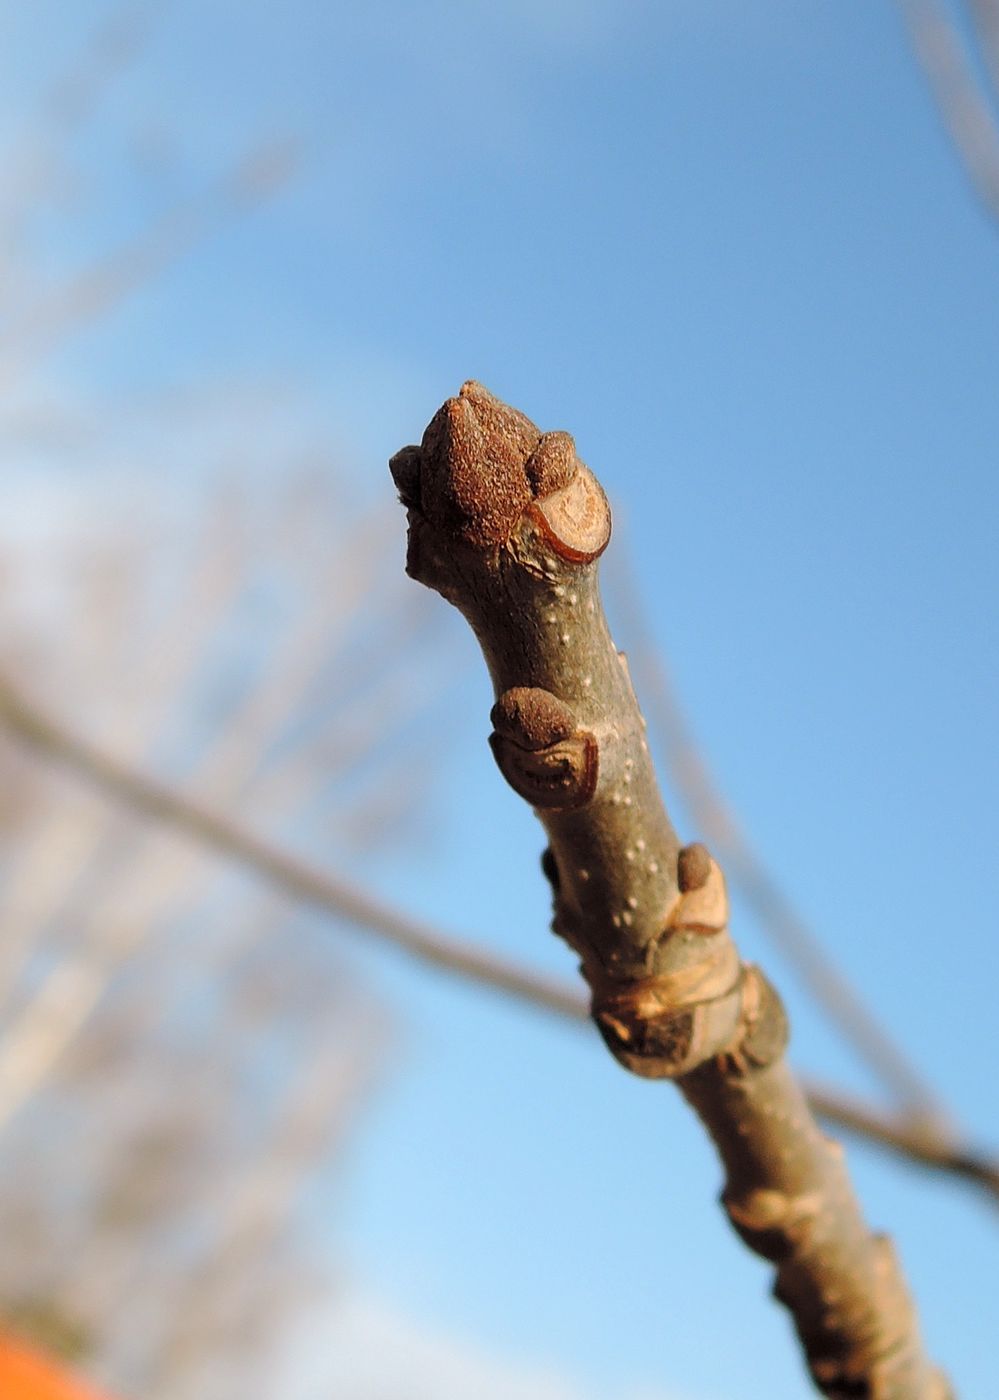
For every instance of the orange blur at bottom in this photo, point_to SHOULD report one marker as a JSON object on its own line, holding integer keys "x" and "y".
{"x": 26, "y": 1376}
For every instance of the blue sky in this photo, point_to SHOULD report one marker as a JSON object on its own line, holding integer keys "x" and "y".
{"x": 728, "y": 246}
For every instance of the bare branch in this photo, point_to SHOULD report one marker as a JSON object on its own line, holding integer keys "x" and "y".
{"x": 904, "y": 1138}
{"x": 507, "y": 524}
{"x": 100, "y": 287}
{"x": 319, "y": 1108}
{"x": 347, "y": 901}
{"x": 964, "y": 109}
{"x": 986, "y": 19}
{"x": 67, "y": 839}
{"x": 64, "y": 108}
{"x": 114, "y": 928}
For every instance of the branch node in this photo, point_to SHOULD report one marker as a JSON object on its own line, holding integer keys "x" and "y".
{"x": 664, "y": 1026}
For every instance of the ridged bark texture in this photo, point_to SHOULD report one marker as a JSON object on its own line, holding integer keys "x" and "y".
{"x": 507, "y": 524}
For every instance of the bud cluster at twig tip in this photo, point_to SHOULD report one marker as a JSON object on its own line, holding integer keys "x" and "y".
{"x": 482, "y": 464}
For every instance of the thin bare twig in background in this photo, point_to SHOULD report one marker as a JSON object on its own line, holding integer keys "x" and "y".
{"x": 31, "y": 164}
{"x": 37, "y": 323}
{"x": 320, "y": 1109}
{"x": 102, "y": 285}
{"x": 113, "y": 929}
{"x": 144, "y": 926}
{"x": 66, "y": 840}
{"x": 985, "y": 14}
{"x": 964, "y": 108}
{"x": 780, "y": 920}
{"x": 904, "y": 1137}
{"x": 92, "y": 868}
{"x": 348, "y": 902}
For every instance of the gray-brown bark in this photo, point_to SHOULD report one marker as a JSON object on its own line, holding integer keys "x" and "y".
{"x": 286, "y": 873}
{"x": 507, "y": 524}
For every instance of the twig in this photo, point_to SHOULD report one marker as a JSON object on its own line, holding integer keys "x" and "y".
{"x": 904, "y": 1137}
{"x": 346, "y": 901}
{"x": 64, "y": 109}
{"x": 778, "y": 916}
{"x": 963, "y": 108}
{"x": 101, "y": 286}
{"x": 985, "y": 14}
{"x": 114, "y": 929}
{"x": 65, "y": 840}
{"x": 507, "y": 524}
{"x": 252, "y": 1208}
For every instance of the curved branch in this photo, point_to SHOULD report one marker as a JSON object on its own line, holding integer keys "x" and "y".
{"x": 507, "y": 524}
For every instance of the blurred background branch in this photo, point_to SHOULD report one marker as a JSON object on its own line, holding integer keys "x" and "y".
{"x": 206, "y": 1047}
{"x": 967, "y": 109}
{"x": 714, "y": 820}
{"x": 178, "y": 1060}
{"x": 920, "y": 1140}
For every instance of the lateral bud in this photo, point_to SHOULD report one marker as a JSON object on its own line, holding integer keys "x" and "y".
{"x": 552, "y": 464}
{"x": 541, "y": 751}
{"x": 702, "y": 907}
{"x": 406, "y": 467}
{"x": 549, "y": 867}
{"x": 772, "y": 1223}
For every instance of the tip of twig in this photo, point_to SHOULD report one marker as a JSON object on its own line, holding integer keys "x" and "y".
{"x": 482, "y": 465}
{"x": 473, "y": 477}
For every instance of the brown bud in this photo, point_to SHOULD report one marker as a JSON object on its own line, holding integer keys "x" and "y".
{"x": 532, "y": 717}
{"x": 405, "y": 467}
{"x": 693, "y": 866}
{"x": 702, "y": 907}
{"x": 473, "y": 474}
{"x": 550, "y": 868}
{"x": 553, "y": 463}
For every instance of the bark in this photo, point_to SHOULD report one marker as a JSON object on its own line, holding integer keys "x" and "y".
{"x": 779, "y": 920}
{"x": 285, "y": 872}
{"x": 155, "y": 801}
{"x": 507, "y": 524}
